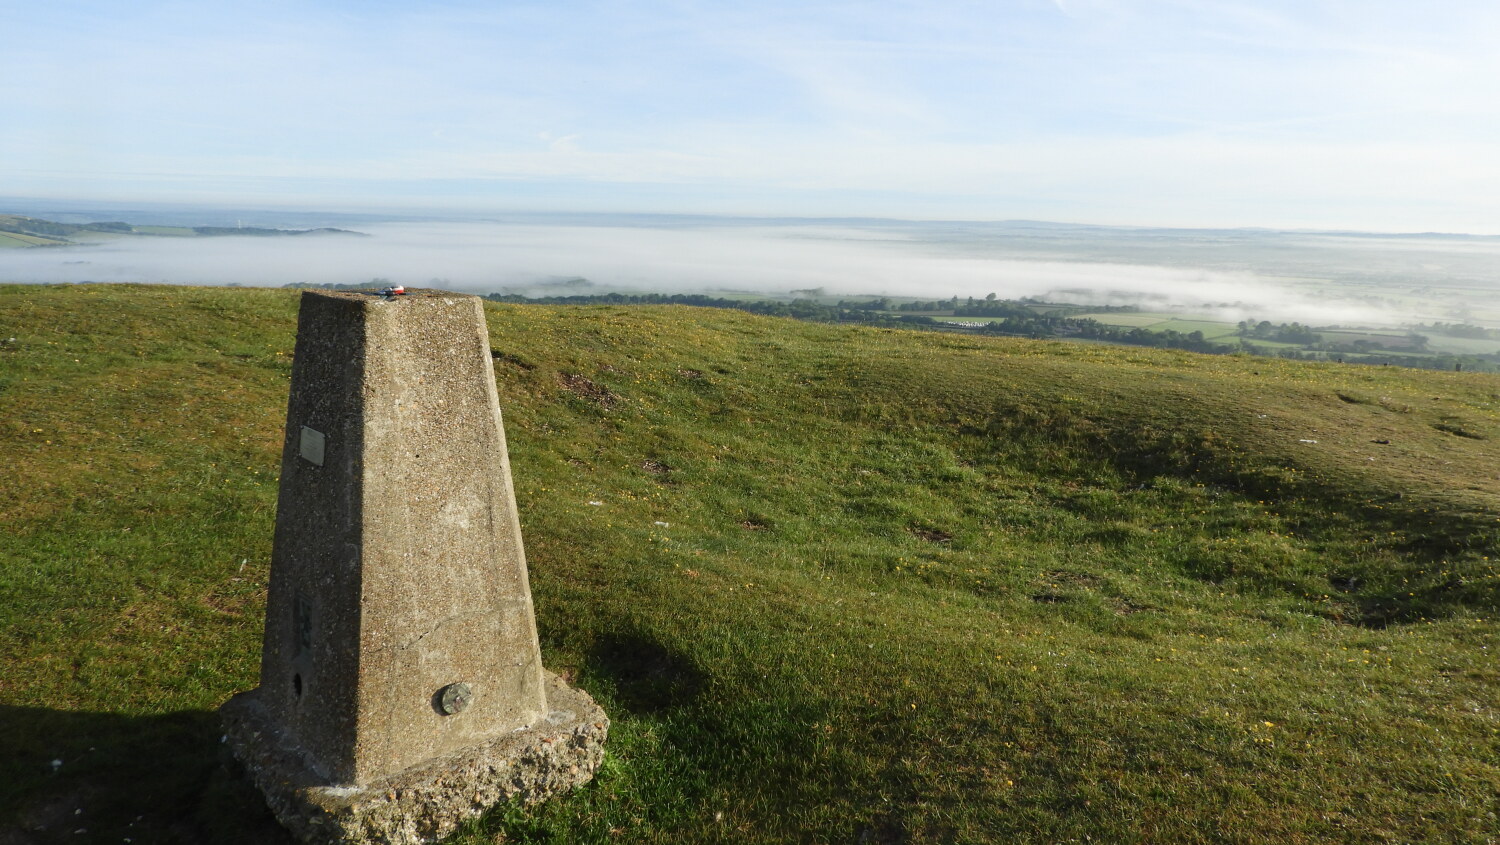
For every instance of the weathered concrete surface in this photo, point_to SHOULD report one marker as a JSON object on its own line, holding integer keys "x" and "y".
{"x": 397, "y": 567}
{"x": 429, "y": 801}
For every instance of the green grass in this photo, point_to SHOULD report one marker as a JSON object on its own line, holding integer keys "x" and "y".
{"x": 913, "y": 587}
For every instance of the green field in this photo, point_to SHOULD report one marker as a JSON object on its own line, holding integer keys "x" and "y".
{"x": 1273, "y": 344}
{"x": 16, "y": 239}
{"x": 1163, "y": 321}
{"x": 913, "y": 586}
{"x": 1462, "y": 345}
{"x": 1394, "y": 340}
{"x": 1129, "y": 319}
{"x": 1212, "y": 329}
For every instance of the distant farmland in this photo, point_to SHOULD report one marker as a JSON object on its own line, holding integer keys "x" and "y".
{"x": 1389, "y": 341}
{"x": 1162, "y": 321}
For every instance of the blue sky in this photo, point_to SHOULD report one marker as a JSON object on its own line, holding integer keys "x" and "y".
{"x": 1320, "y": 113}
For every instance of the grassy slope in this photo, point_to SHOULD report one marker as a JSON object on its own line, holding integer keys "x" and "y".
{"x": 914, "y": 587}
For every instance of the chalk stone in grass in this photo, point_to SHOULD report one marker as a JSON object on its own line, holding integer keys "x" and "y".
{"x": 400, "y": 655}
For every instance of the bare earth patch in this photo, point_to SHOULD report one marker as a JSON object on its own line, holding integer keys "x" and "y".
{"x": 586, "y": 388}
{"x": 932, "y": 535}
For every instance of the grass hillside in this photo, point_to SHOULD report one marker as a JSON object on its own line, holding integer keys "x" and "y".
{"x": 833, "y": 584}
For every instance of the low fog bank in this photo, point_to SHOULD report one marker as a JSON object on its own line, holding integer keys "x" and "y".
{"x": 1313, "y": 279}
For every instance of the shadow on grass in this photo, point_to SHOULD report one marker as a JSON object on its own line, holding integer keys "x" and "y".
{"x": 106, "y": 777}
{"x": 1440, "y": 548}
{"x": 167, "y": 778}
{"x": 648, "y": 677}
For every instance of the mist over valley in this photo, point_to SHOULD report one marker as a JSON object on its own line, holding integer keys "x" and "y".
{"x": 1339, "y": 278}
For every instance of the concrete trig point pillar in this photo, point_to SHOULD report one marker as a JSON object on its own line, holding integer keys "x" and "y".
{"x": 401, "y": 688}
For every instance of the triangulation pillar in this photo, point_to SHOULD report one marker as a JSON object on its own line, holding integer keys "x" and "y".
{"x": 401, "y": 687}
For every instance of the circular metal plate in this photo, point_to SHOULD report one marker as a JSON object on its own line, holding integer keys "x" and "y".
{"x": 454, "y": 698}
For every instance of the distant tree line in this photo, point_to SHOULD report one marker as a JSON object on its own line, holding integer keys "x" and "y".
{"x": 1283, "y": 333}
{"x": 1023, "y": 318}
{"x": 1017, "y": 319}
